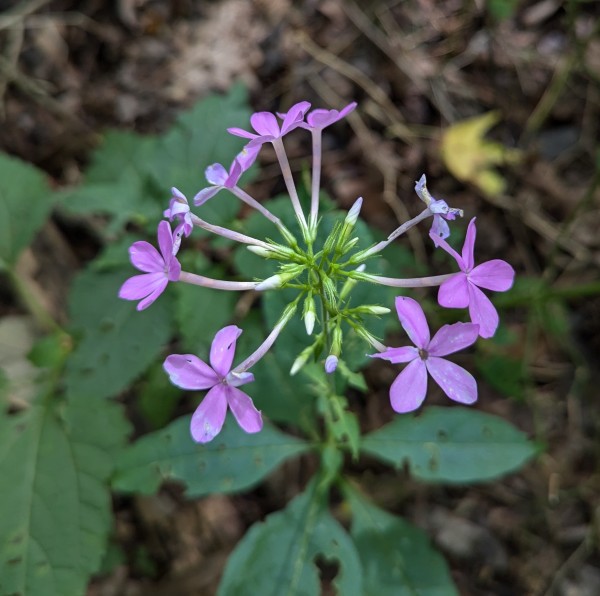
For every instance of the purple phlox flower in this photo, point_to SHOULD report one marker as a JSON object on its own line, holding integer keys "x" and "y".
{"x": 320, "y": 118}
{"x": 462, "y": 290}
{"x": 189, "y": 372}
{"x": 439, "y": 208}
{"x": 179, "y": 210}
{"x": 267, "y": 128}
{"x": 220, "y": 178}
{"x": 427, "y": 356}
{"x": 159, "y": 268}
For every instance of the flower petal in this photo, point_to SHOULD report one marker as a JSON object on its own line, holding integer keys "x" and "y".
{"x": 222, "y": 349}
{"x": 174, "y": 266}
{"x": 494, "y": 275}
{"x": 398, "y": 355}
{"x": 189, "y": 372}
{"x": 216, "y": 174}
{"x": 482, "y": 312}
{"x": 242, "y": 407}
{"x": 206, "y": 193}
{"x": 439, "y": 227}
{"x": 265, "y": 124}
{"x": 165, "y": 240}
{"x": 240, "y": 132}
{"x": 457, "y": 383}
{"x": 294, "y": 117}
{"x": 410, "y": 387}
{"x": 209, "y": 416}
{"x": 468, "y": 250}
{"x": 412, "y": 318}
{"x": 454, "y": 292}
{"x": 452, "y": 338}
{"x": 439, "y": 241}
{"x": 145, "y": 257}
{"x": 140, "y": 286}
{"x": 156, "y": 292}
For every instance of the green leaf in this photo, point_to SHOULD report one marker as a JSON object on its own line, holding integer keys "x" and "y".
{"x": 117, "y": 343}
{"x": 278, "y": 557}
{"x": 198, "y": 139}
{"x": 56, "y": 515}
{"x": 157, "y": 397}
{"x": 25, "y": 201}
{"x": 232, "y": 462}
{"x": 451, "y": 445}
{"x": 397, "y": 558}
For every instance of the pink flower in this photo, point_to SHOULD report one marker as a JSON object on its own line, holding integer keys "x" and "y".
{"x": 189, "y": 372}
{"x": 179, "y": 209}
{"x": 462, "y": 290}
{"x": 220, "y": 178}
{"x": 410, "y": 387}
{"x": 159, "y": 268}
{"x": 267, "y": 128}
{"x": 320, "y": 119}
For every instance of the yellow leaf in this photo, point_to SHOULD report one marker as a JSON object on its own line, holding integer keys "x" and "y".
{"x": 471, "y": 158}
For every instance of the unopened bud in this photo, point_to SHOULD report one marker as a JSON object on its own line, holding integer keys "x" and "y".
{"x": 309, "y": 314}
{"x": 331, "y": 364}
{"x": 372, "y": 309}
{"x": 280, "y": 279}
{"x": 352, "y": 216}
{"x": 301, "y": 359}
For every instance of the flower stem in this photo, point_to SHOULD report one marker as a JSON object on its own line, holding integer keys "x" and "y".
{"x": 216, "y": 284}
{"x": 227, "y": 233}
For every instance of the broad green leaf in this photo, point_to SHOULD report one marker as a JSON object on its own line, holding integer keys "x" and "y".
{"x": 454, "y": 444}
{"x": 232, "y": 462}
{"x": 117, "y": 343}
{"x": 25, "y": 201}
{"x": 198, "y": 139}
{"x": 55, "y": 511}
{"x": 471, "y": 158}
{"x": 397, "y": 558}
{"x": 278, "y": 557}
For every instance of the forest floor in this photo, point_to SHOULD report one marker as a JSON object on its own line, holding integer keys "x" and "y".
{"x": 70, "y": 70}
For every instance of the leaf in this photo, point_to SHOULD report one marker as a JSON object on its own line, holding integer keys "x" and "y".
{"x": 277, "y": 557}
{"x": 25, "y": 202}
{"x": 451, "y": 445}
{"x": 117, "y": 343}
{"x": 55, "y": 519}
{"x": 198, "y": 139}
{"x": 397, "y": 558}
{"x": 232, "y": 462}
{"x": 471, "y": 158}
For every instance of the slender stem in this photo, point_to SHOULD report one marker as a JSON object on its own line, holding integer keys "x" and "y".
{"x": 395, "y": 234}
{"x": 316, "y": 177}
{"x": 242, "y": 195}
{"x": 289, "y": 182}
{"x": 216, "y": 284}
{"x": 268, "y": 342}
{"x": 227, "y": 233}
{"x": 411, "y": 282}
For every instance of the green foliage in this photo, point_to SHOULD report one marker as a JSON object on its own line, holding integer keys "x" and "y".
{"x": 55, "y": 511}
{"x": 232, "y": 462}
{"x": 397, "y": 558}
{"x": 280, "y": 555}
{"x": 454, "y": 444}
{"x": 130, "y": 175}
{"x": 116, "y": 343}
{"x": 25, "y": 202}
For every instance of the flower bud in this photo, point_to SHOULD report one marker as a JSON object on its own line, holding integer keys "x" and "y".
{"x": 372, "y": 309}
{"x": 331, "y": 363}
{"x": 309, "y": 314}
{"x": 280, "y": 279}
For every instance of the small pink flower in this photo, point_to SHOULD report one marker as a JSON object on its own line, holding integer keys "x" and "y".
{"x": 179, "y": 210}
{"x": 189, "y": 372}
{"x": 320, "y": 119}
{"x": 462, "y": 290}
{"x": 218, "y": 177}
{"x": 267, "y": 128}
{"x": 408, "y": 391}
{"x": 439, "y": 208}
{"x": 159, "y": 268}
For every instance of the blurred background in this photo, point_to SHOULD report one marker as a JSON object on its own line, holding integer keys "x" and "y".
{"x": 497, "y": 101}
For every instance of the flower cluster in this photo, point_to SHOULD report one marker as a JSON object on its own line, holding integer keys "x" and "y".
{"x": 324, "y": 272}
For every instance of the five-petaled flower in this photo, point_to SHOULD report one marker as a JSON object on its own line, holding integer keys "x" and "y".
{"x": 189, "y": 372}
{"x": 462, "y": 289}
{"x": 267, "y": 128}
{"x": 159, "y": 268}
{"x": 426, "y": 356}
{"x": 319, "y": 119}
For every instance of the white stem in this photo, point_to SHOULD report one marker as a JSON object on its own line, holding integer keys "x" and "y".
{"x": 227, "y": 233}
{"x": 216, "y": 284}
{"x": 415, "y": 282}
{"x": 242, "y": 195}
{"x": 316, "y": 177}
